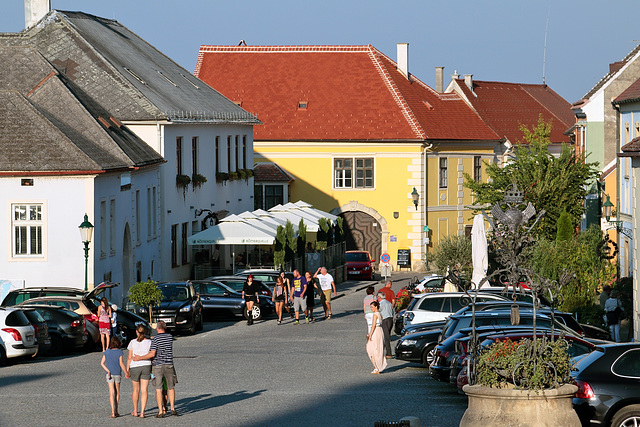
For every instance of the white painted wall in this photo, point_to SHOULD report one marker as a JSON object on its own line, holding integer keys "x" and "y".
{"x": 179, "y": 208}
{"x": 65, "y": 201}
{"x": 144, "y": 249}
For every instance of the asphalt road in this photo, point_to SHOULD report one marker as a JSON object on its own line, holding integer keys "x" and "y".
{"x": 237, "y": 375}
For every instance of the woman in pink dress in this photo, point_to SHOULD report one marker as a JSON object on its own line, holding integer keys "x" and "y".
{"x": 375, "y": 340}
{"x": 104, "y": 322}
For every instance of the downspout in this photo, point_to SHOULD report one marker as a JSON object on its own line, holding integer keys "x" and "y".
{"x": 428, "y": 146}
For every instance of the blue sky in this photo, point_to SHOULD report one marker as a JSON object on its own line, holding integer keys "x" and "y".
{"x": 493, "y": 40}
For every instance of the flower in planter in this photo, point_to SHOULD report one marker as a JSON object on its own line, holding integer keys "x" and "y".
{"x": 525, "y": 364}
{"x": 233, "y": 176}
{"x": 183, "y": 181}
{"x": 222, "y": 177}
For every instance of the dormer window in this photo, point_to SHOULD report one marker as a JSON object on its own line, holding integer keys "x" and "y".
{"x": 130, "y": 71}
{"x": 302, "y": 105}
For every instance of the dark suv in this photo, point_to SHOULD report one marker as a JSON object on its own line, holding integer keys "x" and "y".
{"x": 180, "y": 309}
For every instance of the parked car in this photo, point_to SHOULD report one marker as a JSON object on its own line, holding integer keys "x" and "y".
{"x": 359, "y": 265}
{"x": 16, "y": 296}
{"x": 180, "y": 308}
{"x": 86, "y": 304}
{"x": 608, "y": 381}
{"x": 77, "y": 305}
{"x": 237, "y": 282}
{"x": 66, "y": 328}
{"x": 17, "y": 336}
{"x": 433, "y": 283}
{"x": 40, "y": 328}
{"x": 219, "y": 298}
{"x": 438, "y": 306}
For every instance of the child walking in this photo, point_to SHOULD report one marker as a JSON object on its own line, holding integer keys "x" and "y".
{"x": 114, "y": 365}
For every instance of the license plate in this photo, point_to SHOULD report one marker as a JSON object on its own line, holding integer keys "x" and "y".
{"x": 84, "y": 338}
{"x": 165, "y": 319}
{"x": 29, "y": 337}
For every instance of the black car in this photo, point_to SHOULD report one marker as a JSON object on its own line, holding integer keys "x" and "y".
{"x": 608, "y": 381}
{"x": 236, "y": 283}
{"x": 219, "y": 298}
{"x": 41, "y": 329}
{"x": 180, "y": 309}
{"x": 420, "y": 347}
{"x": 66, "y": 328}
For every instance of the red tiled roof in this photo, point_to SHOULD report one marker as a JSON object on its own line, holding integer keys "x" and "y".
{"x": 631, "y": 94}
{"x": 506, "y": 106}
{"x": 352, "y": 93}
{"x": 270, "y": 172}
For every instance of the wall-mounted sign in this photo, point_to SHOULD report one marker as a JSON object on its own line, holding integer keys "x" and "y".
{"x": 393, "y": 238}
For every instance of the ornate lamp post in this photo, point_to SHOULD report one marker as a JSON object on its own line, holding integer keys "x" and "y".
{"x": 415, "y": 196}
{"x": 86, "y": 230}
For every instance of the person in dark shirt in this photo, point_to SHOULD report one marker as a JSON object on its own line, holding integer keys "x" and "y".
{"x": 251, "y": 296}
{"x": 299, "y": 295}
{"x": 312, "y": 286}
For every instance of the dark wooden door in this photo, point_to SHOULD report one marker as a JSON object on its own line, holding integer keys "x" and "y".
{"x": 363, "y": 233}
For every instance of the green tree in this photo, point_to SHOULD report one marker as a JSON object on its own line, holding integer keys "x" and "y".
{"x": 291, "y": 242}
{"x": 565, "y": 228}
{"x": 145, "y": 294}
{"x": 323, "y": 229}
{"x": 278, "y": 253}
{"x": 548, "y": 182}
{"x": 453, "y": 252}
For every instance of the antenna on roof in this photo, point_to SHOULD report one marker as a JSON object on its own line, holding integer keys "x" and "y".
{"x": 242, "y": 43}
{"x": 544, "y": 54}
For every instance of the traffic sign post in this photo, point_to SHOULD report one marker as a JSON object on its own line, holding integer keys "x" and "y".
{"x": 385, "y": 268}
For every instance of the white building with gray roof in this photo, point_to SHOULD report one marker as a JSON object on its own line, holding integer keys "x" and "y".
{"x": 200, "y": 133}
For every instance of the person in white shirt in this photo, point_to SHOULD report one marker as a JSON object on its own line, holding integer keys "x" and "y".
{"x": 140, "y": 370}
{"x": 326, "y": 285}
{"x": 613, "y": 309}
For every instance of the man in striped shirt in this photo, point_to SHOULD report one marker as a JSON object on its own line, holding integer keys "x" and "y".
{"x": 161, "y": 355}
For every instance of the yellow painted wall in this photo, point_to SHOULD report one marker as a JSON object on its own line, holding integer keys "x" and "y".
{"x": 398, "y": 169}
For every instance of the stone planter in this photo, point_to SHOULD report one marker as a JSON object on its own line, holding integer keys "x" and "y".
{"x": 510, "y": 407}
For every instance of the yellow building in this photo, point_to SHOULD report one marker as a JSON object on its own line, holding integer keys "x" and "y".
{"x": 357, "y": 133}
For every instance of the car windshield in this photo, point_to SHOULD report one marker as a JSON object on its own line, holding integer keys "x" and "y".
{"x": 357, "y": 257}
{"x": 174, "y": 293}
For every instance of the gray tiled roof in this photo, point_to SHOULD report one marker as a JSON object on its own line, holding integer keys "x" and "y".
{"x": 124, "y": 73}
{"x": 47, "y": 124}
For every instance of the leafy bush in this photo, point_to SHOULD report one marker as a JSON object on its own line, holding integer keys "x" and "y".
{"x": 453, "y": 252}
{"x": 145, "y": 294}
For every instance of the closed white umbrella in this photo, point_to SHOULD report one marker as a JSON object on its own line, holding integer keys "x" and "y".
{"x": 479, "y": 251}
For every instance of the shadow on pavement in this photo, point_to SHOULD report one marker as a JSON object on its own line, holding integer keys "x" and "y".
{"x": 208, "y": 401}
{"x": 15, "y": 379}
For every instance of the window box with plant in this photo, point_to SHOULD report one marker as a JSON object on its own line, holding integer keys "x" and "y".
{"x": 234, "y": 176}
{"x": 197, "y": 180}
{"x": 182, "y": 182}
{"x": 222, "y": 177}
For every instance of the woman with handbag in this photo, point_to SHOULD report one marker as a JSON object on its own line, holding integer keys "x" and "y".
{"x": 250, "y": 295}
{"x": 614, "y": 311}
{"x": 375, "y": 340}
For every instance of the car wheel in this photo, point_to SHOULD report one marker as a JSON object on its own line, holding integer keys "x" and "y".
{"x": 256, "y": 312}
{"x": 428, "y": 354}
{"x": 56, "y": 346}
{"x": 192, "y": 328}
{"x": 123, "y": 335}
{"x": 3, "y": 357}
{"x": 627, "y": 417}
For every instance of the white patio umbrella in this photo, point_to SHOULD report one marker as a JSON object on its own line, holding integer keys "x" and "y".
{"x": 306, "y": 207}
{"x": 280, "y": 212}
{"x": 233, "y": 230}
{"x": 479, "y": 251}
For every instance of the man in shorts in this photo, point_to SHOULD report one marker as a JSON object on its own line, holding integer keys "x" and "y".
{"x": 161, "y": 355}
{"x": 326, "y": 284}
{"x": 299, "y": 295}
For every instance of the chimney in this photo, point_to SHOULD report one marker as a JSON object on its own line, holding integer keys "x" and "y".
{"x": 35, "y": 10}
{"x": 403, "y": 58}
{"x": 439, "y": 79}
{"x": 468, "y": 80}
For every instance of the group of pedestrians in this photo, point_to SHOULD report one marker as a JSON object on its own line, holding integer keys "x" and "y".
{"x": 299, "y": 294}
{"x": 378, "y": 312}
{"x": 149, "y": 360}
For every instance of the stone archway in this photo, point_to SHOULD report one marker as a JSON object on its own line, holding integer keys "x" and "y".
{"x": 369, "y": 228}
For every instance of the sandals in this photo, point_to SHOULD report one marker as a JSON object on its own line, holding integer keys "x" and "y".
{"x": 160, "y": 415}
{"x": 174, "y": 412}
{"x": 375, "y": 372}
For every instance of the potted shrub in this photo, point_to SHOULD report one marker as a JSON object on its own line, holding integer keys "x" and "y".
{"x": 146, "y": 295}
{"x": 197, "y": 180}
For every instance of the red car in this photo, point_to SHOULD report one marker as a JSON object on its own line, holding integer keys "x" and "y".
{"x": 359, "y": 265}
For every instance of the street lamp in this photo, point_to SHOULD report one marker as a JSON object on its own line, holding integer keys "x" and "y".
{"x": 86, "y": 230}
{"x": 607, "y": 206}
{"x": 415, "y": 196}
